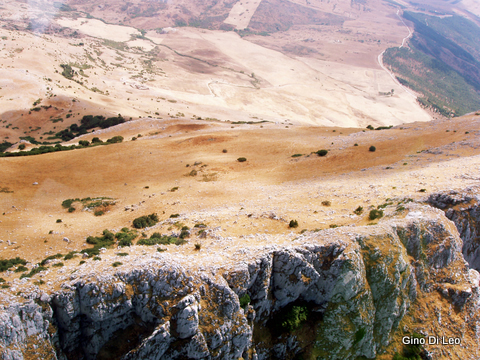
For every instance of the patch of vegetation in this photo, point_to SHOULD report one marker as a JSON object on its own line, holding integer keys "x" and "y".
{"x": 117, "y": 264}
{"x": 372, "y": 148}
{"x": 244, "y": 301}
{"x": 322, "y": 152}
{"x": 5, "y": 145}
{"x": 99, "y": 205}
{"x": 6, "y": 264}
{"x": 159, "y": 239}
{"x": 241, "y": 159}
{"x": 122, "y": 254}
{"x": 60, "y": 264}
{"x": 296, "y": 155}
{"x": 375, "y": 214}
{"x": 293, "y": 224}
{"x": 33, "y": 272}
{"x": 125, "y": 237}
{"x": 326, "y": 203}
{"x": 198, "y": 247}
{"x": 51, "y": 257}
{"x": 21, "y": 268}
{"x": 89, "y": 122}
{"x": 294, "y": 318}
{"x": 145, "y": 221}
{"x": 358, "y": 210}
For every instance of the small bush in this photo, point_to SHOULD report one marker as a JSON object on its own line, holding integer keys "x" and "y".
{"x": 59, "y": 220}
{"x": 9, "y": 263}
{"x": 296, "y": 155}
{"x": 97, "y": 258}
{"x": 293, "y": 224}
{"x": 224, "y": 151}
{"x": 83, "y": 143}
{"x": 174, "y": 216}
{"x": 355, "y": 144}
{"x": 21, "y": 268}
{"x": 198, "y": 246}
{"x": 117, "y": 263}
{"x": 115, "y": 140}
{"x": 98, "y": 213}
{"x": 145, "y": 221}
{"x": 60, "y": 264}
{"x": 69, "y": 256}
{"x": 22, "y": 146}
{"x": 333, "y": 226}
{"x": 358, "y": 210}
{"x": 245, "y": 300}
{"x": 81, "y": 262}
{"x": 96, "y": 140}
{"x": 372, "y": 148}
{"x": 326, "y": 203}
{"x": 375, "y": 214}
{"x": 241, "y": 159}
{"x": 122, "y": 254}
{"x": 370, "y": 127}
{"x": 33, "y": 272}
{"x": 294, "y": 318}
{"x": 71, "y": 209}
{"x": 322, "y": 152}
{"x": 422, "y": 190}
{"x": 161, "y": 250}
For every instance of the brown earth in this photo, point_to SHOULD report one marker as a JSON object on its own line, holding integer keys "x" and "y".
{"x": 226, "y": 193}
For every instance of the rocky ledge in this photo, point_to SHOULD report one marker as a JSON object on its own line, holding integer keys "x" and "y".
{"x": 340, "y": 293}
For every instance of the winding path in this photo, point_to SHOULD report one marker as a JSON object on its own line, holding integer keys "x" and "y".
{"x": 380, "y": 58}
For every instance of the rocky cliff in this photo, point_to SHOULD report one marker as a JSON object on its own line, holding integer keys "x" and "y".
{"x": 340, "y": 293}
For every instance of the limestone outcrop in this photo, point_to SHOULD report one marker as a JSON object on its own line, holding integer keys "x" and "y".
{"x": 340, "y": 293}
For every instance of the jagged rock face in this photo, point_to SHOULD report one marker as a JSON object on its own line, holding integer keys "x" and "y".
{"x": 354, "y": 285}
{"x": 463, "y": 209}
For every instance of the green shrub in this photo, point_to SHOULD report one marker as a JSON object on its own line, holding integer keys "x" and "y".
{"x": 96, "y": 140}
{"x": 60, "y": 264}
{"x": 422, "y": 190}
{"x": 33, "y": 272}
{"x": 21, "y": 268}
{"x": 198, "y": 246}
{"x": 372, "y": 148}
{"x": 51, "y": 257}
{"x": 22, "y": 146}
{"x": 71, "y": 209}
{"x": 59, "y": 220}
{"x": 70, "y": 255}
{"x": 294, "y": 318}
{"x": 296, "y": 155}
{"x": 145, "y": 221}
{"x": 98, "y": 213}
{"x": 358, "y": 210}
{"x": 83, "y": 143}
{"x": 174, "y": 216}
{"x": 117, "y": 263}
{"x": 122, "y": 254}
{"x": 370, "y": 127}
{"x": 375, "y": 214}
{"x": 244, "y": 300}
{"x": 115, "y": 139}
{"x": 326, "y": 203}
{"x": 97, "y": 258}
{"x": 9, "y": 263}
{"x": 355, "y": 144}
{"x": 322, "y": 152}
{"x": 161, "y": 250}
{"x": 293, "y": 224}
{"x": 241, "y": 159}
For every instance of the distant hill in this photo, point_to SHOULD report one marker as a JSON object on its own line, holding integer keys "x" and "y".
{"x": 442, "y": 63}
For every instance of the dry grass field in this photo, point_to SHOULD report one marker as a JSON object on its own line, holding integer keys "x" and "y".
{"x": 237, "y": 198}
